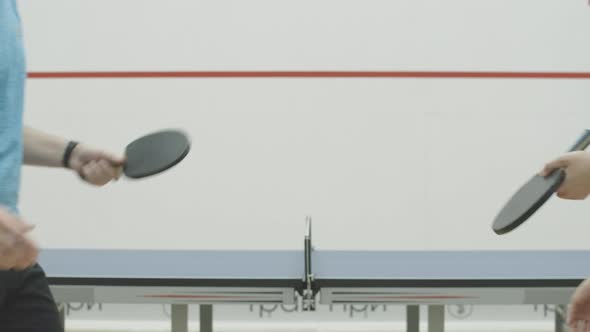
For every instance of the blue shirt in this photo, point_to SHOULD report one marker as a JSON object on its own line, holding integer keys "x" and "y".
{"x": 12, "y": 82}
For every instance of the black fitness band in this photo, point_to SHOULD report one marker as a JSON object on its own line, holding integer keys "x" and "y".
{"x": 68, "y": 153}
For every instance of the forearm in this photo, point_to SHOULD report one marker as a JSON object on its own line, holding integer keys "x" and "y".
{"x": 43, "y": 149}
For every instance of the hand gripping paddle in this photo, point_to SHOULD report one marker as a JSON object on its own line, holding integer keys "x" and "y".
{"x": 532, "y": 195}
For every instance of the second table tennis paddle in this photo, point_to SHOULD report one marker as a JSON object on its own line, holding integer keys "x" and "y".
{"x": 532, "y": 195}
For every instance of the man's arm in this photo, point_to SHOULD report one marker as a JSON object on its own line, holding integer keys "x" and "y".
{"x": 43, "y": 149}
{"x": 18, "y": 251}
{"x": 95, "y": 166}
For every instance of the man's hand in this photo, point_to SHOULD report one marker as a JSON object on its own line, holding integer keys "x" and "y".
{"x": 577, "y": 174}
{"x": 96, "y": 166}
{"x": 17, "y": 251}
{"x": 579, "y": 311}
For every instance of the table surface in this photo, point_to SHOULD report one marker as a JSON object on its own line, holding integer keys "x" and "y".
{"x": 328, "y": 265}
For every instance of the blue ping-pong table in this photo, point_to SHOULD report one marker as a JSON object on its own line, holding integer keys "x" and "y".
{"x": 314, "y": 277}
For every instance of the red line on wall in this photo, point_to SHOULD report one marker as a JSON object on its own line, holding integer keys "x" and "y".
{"x": 311, "y": 74}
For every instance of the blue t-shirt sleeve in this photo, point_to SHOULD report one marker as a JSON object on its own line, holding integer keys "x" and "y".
{"x": 12, "y": 85}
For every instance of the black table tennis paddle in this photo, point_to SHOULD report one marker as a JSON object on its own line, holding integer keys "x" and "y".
{"x": 154, "y": 153}
{"x": 532, "y": 195}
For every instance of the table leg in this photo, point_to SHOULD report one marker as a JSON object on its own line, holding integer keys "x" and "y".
{"x": 436, "y": 318}
{"x": 560, "y": 316}
{"x": 413, "y": 318}
{"x": 180, "y": 318}
{"x": 206, "y": 317}
{"x": 61, "y": 307}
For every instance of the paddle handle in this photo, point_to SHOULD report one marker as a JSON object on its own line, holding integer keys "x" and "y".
{"x": 582, "y": 142}
{"x": 120, "y": 171}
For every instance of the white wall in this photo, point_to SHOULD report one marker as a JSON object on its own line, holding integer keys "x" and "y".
{"x": 378, "y": 163}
